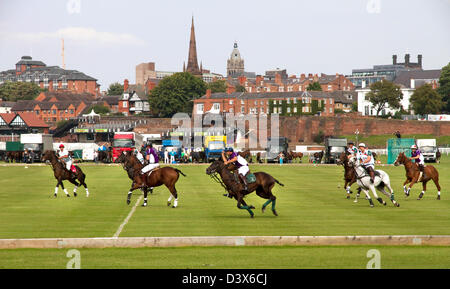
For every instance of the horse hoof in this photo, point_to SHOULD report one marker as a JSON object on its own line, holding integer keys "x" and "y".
{"x": 75, "y": 194}
{"x": 68, "y": 196}
{"x": 384, "y": 203}
{"x": 168, "y": 204}
{"x": 144, "y": 205}
{"x": 263, "y": 210}
{"x": 128, "y": 202}
{"x": 275, "y": 213}
{"x": 397, "y": 205}
{"x": 55, "y": 195}
{"x": 173, "y": 207}
{"x": 438, "y": 198}
{"x": 252, "y": 207}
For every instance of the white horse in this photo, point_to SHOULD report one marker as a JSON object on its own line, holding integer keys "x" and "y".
{"x": 381, "y": 181}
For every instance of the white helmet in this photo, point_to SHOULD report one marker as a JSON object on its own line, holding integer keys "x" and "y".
{"x": 362, "y": 145}
{"x": 413, "y": 147}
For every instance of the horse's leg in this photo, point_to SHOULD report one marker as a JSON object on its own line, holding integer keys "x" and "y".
{"x": 82, "y": 182}
{"x": 424, "y": 189}
{"x": 391, "y": 195}
{"x": 76, "y": 186}
{"x": 56, "y": 189}
{"x": 134, "y": 186}
{"x": 145, "y": 197}
{"x": 62, "y": 186}
{"x": 239, "y": 198}
{"x": 173, "y": 195}
{"x": 436, "y": 182}
{"x": 368, "y": 197}
{"x": 379, "y": 199}
{"x": 404, "y": 186}
{"x": 347, "y": 188}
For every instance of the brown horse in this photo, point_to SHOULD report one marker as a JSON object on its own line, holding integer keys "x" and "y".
{"x": 412, "y": 175}
{"x": 349, "y": 174}
{"x": 263, "y": 186}
{"x": 167, "y": 176}
{"x": 293, "y": 155}
{"x": 61, "y": 174}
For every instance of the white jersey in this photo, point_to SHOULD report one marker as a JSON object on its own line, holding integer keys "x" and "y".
{"x": 363, "y": 156}
{"x": 140, "y": 157}
{"x": 64, "y": 152}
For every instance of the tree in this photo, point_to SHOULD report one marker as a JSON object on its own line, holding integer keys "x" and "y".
{"x": 385, "y": 92}
{"x": 444, "y": 86}
{"x": 240, "y": 88}
{"x": 175, "y": 94}
{"x": 315, "y": 86}
{"x": 426, "y": 100}
{"x": 14, "y": 91}
{"x": 100, "y": 109}
{"x": 218, "y": 86}
{"x": 115, "y": 89}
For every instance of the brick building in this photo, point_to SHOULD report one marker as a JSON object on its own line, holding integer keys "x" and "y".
{"x": 283, "y": 103}
{"x": 278, "y": 81}
{"x": 52, "y": 78}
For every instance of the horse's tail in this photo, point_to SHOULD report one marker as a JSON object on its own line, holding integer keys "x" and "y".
{"x": 180, "y": 172}
{"x": 278, "y": 182}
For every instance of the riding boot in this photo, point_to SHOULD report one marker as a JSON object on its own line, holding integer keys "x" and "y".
{"x": 244, "y": 181}
{"x": 372, "y": 175}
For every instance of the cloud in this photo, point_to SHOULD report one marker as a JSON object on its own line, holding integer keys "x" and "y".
{"x": 77, "y": 34}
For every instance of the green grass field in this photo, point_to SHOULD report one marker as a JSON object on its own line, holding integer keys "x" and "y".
{"x": 311, "y": 203}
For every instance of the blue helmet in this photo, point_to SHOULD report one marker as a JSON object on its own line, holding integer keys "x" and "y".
{"x": 229, "y": 150}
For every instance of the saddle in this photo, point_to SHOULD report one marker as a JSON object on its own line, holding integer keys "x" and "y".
{"x": 251, "y": 178}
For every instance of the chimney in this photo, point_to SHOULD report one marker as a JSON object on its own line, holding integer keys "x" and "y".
{"x": 208, "y": 93}
{"x": 242, "y": 80}
{"x": 302, "y": 76}
{"x": 406, "y": 59}
{"x": 310, "y": 75}
{"x": 394, "y": 59}
{"x": 419, "y": 60}
{"x": 125, "y": 85}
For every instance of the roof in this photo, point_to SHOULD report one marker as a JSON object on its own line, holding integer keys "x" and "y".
{"x": 29, "y": 118}
{"x": 110, "y": 99}
{"x": 67, "y": 96}
{"x": 404, "y": 77}
{"x": 32, "y": 120}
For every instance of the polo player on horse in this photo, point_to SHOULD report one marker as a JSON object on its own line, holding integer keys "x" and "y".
{"x": 65, "y": 158}
{"x": 152, "y": 158}
{"x": 351, "y": 149}
{"x": 229, "y": 156}
{"x": 367, "y": 160}
{"x": 418, "y": 158}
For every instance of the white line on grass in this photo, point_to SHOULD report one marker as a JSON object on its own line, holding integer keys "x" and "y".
{"x": 119, "y": 230}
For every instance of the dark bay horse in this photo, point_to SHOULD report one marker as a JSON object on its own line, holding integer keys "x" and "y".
{"x": 412, "y": 175}
{"x": 349, "y": 174}
{"x": 61, "y": 174}
{"x": 167, "y": 176}
{"x": 263, "y": 186}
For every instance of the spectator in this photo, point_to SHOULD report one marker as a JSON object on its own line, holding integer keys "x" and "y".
{"x": 397, "y": 134}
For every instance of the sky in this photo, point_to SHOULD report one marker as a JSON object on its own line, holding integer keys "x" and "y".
{"x": 106, "y": 39}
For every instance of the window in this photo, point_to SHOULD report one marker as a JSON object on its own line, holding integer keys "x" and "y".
{"x": 331, "y": 110}
{"x": 200, "y": 107}
{"x": 231, "y": 101}
{"x": 288, "y": 110}
{"x": 231, "y": 110}
{"x": 53, "y": 111}
{"x": 242, "y": 109}
{"x": 216, "y": 106}
{"x": 71, "y": 111}
{"x": 242, "y": 101}
{"x": 37, "y": 112}
{"x": 124, "y": 104}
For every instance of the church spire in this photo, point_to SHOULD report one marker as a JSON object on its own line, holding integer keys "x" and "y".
{"x": 192, "y": 65}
